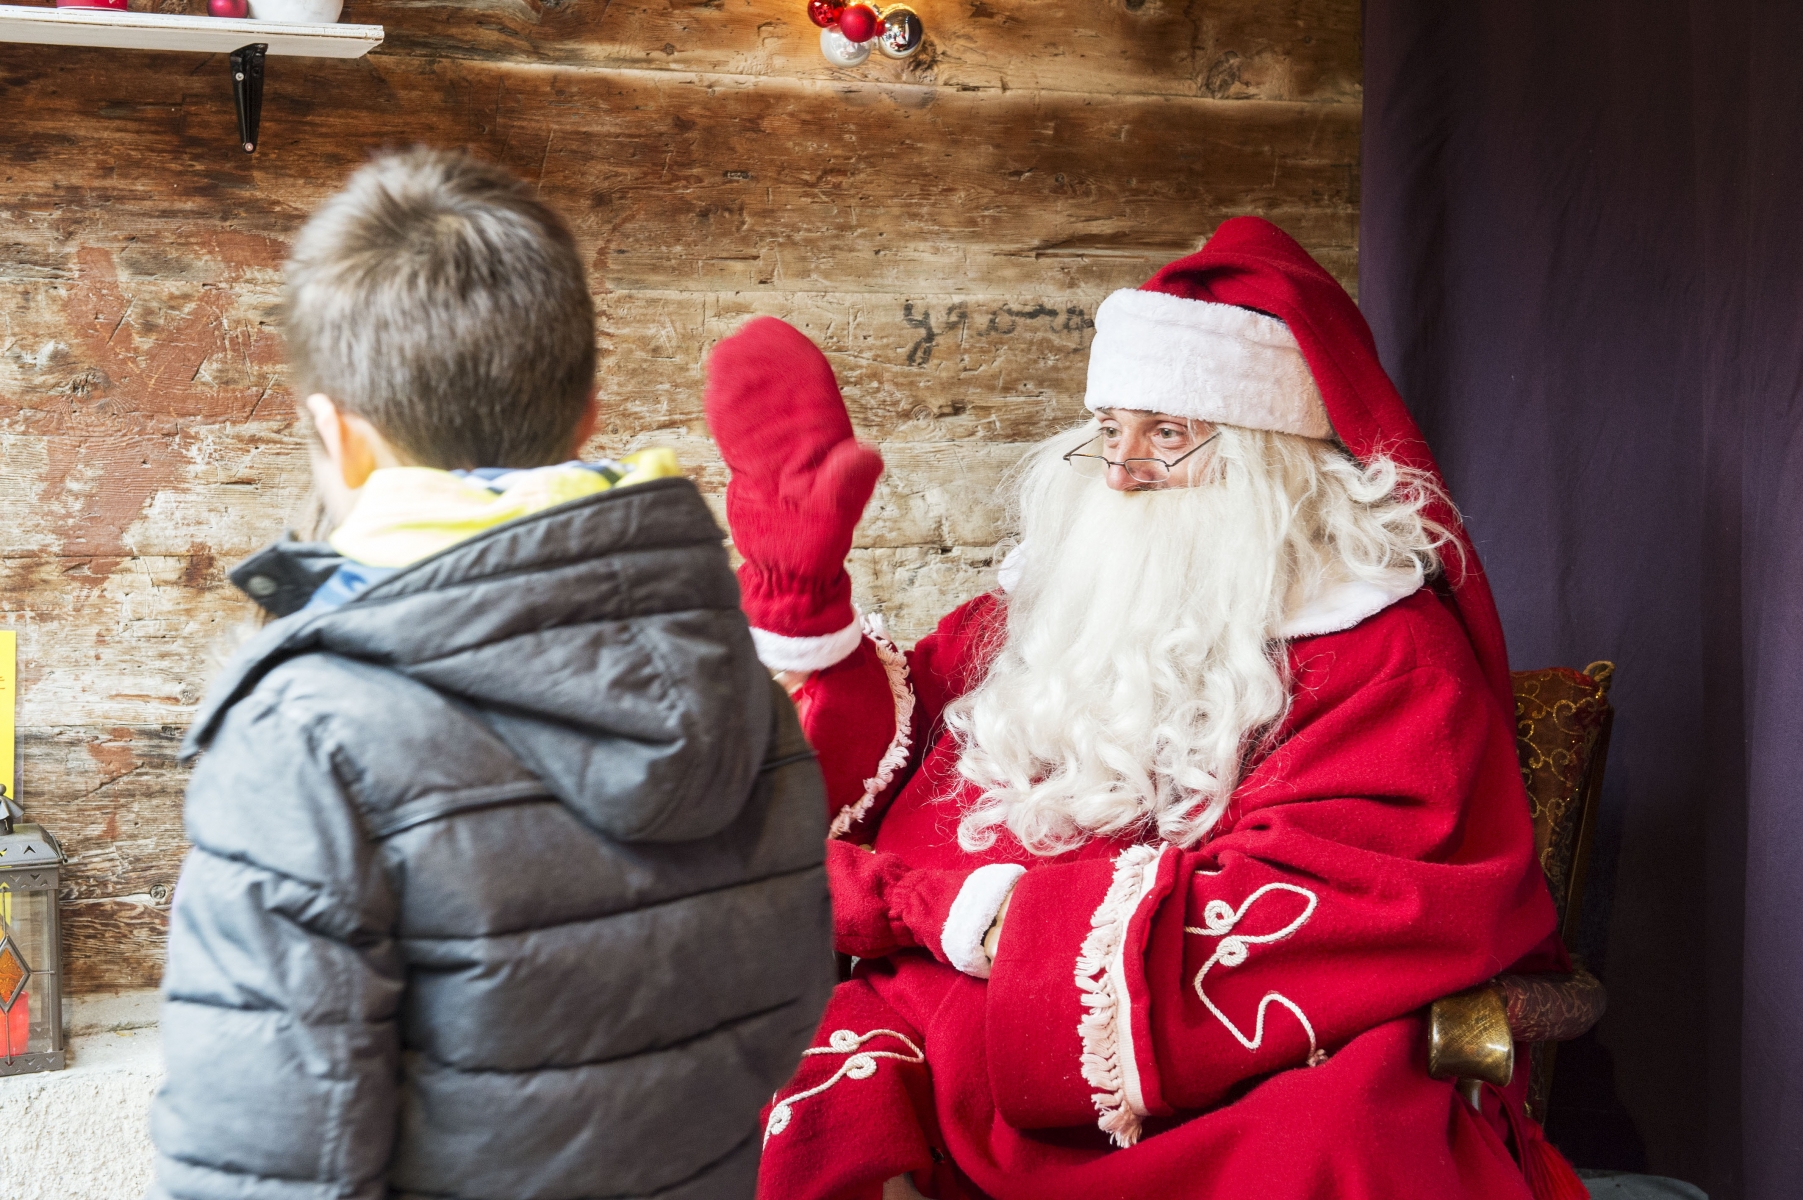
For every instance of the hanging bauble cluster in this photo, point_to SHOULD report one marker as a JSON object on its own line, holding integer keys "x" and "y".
{"x": 849, "y": 32}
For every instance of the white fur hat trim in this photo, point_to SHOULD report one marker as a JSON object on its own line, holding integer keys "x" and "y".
{"x": 1155, "y": 352}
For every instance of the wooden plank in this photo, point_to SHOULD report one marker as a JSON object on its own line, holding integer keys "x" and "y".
{"x": 92, "y": 784}
{"x": 919, "y": 367}
{"x": 112, "y": 796}
{"x": 113, "y": 945}
{"x": 914, "y": 586}
{"x": 1228, "y": 49}
{"x": 219, "y": 462}
{"x": 747, "y": 184}
{"x": 134, "y": 640}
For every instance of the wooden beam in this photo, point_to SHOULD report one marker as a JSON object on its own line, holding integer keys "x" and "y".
{"x": 1226, "y": 49}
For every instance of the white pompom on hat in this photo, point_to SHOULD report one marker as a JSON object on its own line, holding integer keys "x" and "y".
{"x": 1158, "y": 352}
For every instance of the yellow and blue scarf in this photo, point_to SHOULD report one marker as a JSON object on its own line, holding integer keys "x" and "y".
{"x": 404, "y": 514}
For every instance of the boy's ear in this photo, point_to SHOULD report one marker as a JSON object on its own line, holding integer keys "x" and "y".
{"x": 351, "y": 443}
{"x": 327, "y": 425}
{"x": 586, "y": 424}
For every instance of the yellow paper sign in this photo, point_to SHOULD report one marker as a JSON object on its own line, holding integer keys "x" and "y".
{"x": 9, "y": 702}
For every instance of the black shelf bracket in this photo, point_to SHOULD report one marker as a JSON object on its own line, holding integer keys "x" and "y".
{"x": 247, "y": 91}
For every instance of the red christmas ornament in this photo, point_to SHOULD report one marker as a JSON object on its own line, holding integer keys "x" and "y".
{"x": 825, "y": 12}
{"x": 227, "y": 8}
{"x": 859, "y": 22}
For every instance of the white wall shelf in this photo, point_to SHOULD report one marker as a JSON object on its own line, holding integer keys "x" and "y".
{"x": 159, "y": 31}
{"x": 246, "y": 41}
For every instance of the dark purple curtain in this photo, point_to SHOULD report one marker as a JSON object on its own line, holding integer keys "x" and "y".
{"x": 1582, "y": 253}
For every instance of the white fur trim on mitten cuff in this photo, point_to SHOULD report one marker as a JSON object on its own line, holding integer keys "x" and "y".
{"x": 781, "y": 653}
{"x": 973, "y": 912}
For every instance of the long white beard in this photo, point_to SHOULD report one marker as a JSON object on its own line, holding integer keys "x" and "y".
{"x": 1142, "y": 662}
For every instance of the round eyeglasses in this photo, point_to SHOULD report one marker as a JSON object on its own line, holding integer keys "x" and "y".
{"x": 1140, "y": 470}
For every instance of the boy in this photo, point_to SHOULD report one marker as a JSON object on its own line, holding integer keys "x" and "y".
{"x": 506, "y": 878}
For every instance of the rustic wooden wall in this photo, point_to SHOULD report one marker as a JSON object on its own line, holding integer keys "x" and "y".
{"x": 944, "y": 227}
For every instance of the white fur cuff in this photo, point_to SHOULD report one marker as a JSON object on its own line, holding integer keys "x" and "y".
{"x": 1155, "y": 352}
{"x": 781, "y": 653}
{"x": 973, "y": 912}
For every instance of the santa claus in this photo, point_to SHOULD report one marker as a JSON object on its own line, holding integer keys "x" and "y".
{"x": 1151, "y": 858}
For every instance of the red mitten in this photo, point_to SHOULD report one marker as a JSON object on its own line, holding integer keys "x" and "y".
{"x": 881, "y": 904}
{"x": 800, "y": 481}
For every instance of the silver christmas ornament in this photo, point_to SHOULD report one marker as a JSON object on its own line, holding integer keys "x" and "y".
{"x": 902, "y": 33}
{"x": 840, "y": 50}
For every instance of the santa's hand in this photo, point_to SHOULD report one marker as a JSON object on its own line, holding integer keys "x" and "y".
{"x": 881, "y": 905}
{"x": 800, "y": 481}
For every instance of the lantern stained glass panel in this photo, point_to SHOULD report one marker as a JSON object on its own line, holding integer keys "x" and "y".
{"x": 30, "y": 1029}
{"x": 15, "y": 1001}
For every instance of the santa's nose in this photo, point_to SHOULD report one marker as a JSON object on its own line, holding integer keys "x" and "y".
{"x": 1121, "y": 480}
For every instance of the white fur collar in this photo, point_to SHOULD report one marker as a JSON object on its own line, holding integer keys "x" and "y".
{"x": 1341, "y": 607}
{"x": 1338, "y": 608}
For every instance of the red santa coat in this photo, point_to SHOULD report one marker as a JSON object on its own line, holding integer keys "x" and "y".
{"x": 1239, "y": 1019}
{"x": 1378, "y": 857}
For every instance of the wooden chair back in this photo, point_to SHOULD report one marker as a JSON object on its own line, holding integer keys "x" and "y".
{"x": 1562, "y": 721}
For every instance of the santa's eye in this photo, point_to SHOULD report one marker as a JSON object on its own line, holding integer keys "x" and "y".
{"x": 1171, "y": 434}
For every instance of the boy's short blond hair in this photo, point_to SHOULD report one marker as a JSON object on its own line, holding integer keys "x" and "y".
{"x": 438, "y": 298}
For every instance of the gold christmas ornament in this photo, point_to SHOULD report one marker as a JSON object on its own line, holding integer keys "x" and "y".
{"x": 902, "y": 34}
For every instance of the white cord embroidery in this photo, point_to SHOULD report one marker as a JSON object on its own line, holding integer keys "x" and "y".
{"x": 860, "y": 1065}
{"x": 895, "y": 666}
{"x": 1220, "y": 919}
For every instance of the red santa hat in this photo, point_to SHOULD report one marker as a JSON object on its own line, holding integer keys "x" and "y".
{"x": 1252, "y": 331}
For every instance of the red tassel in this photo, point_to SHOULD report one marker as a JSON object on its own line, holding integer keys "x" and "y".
{"x": 1549, "y": 1176}
{"x": 1547, "y": 1173}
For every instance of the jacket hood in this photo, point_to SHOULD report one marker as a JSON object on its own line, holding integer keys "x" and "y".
{"x": 601, "y": 641}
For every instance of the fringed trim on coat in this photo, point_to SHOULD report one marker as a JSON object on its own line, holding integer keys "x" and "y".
{"x": 895, "y": 666}
{"x": 1106, "y": 1029}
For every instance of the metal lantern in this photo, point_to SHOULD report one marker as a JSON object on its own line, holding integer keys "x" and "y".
{"x": 31, "y": 946}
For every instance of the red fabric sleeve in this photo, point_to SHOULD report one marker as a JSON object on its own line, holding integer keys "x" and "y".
{"x": 952, "y": 660}
{"x": 881, "y": 904}
{"x": 1380, "y": 857}
{"x": 848, "y": 714}
{"x": 848, "y": 710}
{"x": 1407, "y": 874}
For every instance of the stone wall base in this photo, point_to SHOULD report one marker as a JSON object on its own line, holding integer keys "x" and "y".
{"x": 80, "y": 1133}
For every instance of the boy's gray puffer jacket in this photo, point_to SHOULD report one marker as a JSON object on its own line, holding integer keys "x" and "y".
{"x": 507, "y": 878}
